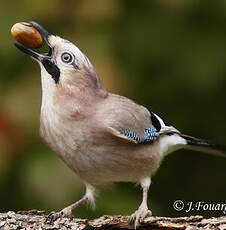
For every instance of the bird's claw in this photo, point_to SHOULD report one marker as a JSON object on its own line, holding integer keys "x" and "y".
{"x": 139, "y": 216}
{"x": 66, "y": 212}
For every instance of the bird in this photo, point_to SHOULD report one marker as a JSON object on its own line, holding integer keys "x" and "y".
{"x": 101, "y": 136}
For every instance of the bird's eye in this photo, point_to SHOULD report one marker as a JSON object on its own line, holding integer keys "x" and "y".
{"x": 67, "y": 57}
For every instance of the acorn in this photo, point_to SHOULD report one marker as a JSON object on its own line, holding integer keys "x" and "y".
{"x": 27, "y": 35}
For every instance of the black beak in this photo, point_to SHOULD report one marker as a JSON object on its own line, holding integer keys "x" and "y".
{"x": 45, "y": 35}
{"x": 48, "y": 59}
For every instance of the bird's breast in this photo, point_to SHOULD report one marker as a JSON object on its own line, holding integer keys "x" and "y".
{"x": 96, "y": 161}
{"x": 64, "y": 136}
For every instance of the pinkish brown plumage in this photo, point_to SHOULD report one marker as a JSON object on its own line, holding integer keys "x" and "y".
{"x": 102, "y": 137}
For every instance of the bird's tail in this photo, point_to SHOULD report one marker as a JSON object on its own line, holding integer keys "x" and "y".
{"x": 204, "y": 146}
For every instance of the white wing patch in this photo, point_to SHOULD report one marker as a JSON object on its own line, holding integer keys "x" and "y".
{"x": 164, "y": 127}
{"x": 160, "y": 120}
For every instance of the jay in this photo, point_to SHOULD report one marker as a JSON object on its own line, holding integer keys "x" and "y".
{"x": 102, "y": 137}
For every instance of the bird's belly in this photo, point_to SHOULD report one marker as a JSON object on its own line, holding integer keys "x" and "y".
{"x": 99, "y": 164}
{"x": 102, "y": 165}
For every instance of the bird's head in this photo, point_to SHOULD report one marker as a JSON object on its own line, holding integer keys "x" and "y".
{"x": 65, "y": 70}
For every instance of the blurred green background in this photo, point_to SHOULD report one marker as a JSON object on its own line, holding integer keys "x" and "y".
{"x": 169, "y": 55}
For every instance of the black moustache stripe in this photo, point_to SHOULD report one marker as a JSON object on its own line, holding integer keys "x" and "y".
{"x": 52, "y": 69}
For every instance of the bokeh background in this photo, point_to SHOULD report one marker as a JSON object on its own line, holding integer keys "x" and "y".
{"x": 169, "y": 55}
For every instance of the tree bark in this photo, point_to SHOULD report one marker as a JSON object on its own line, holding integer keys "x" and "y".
{"x": 37, "y": 220}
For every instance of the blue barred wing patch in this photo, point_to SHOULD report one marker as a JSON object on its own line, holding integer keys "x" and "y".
{"x": 150, "y": 134}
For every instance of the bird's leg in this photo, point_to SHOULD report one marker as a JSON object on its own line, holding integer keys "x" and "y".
{"x": 67, "y": 212}
{"x": 142, "y": 212}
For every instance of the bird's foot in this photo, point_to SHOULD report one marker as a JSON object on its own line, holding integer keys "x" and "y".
{"x": 139, "y": 216}
{"x": 66, "y": 212}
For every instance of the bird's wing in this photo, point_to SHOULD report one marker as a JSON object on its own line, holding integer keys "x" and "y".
{"x": 150, "y": 133}
{"x": 131, "y": 122}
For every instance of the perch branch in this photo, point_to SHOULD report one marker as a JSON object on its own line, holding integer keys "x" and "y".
{"x": 37, "y": 220}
